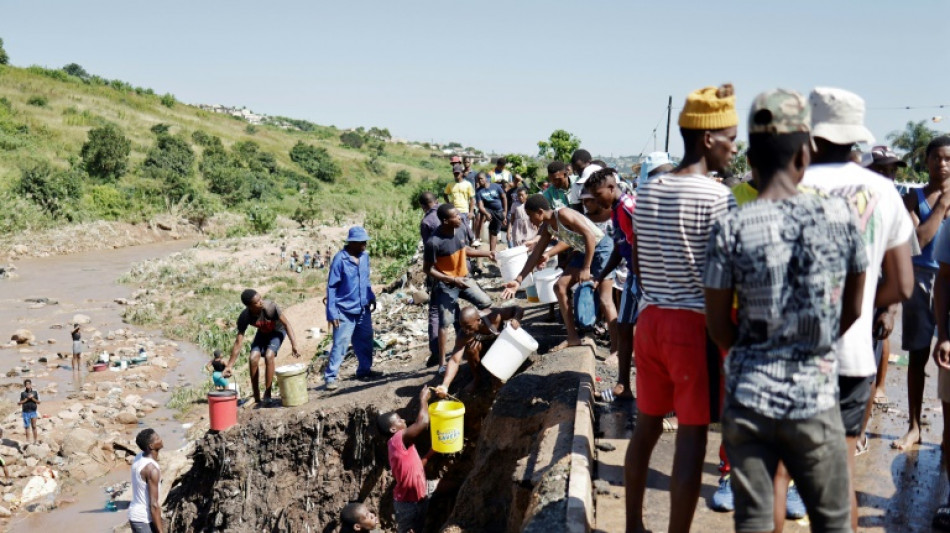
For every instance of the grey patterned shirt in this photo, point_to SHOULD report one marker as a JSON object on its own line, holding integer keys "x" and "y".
{"x": 787, "y": 261}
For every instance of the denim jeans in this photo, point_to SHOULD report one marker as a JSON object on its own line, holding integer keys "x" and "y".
{"x": 357, "y": 328}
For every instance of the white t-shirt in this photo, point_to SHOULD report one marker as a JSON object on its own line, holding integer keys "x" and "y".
{"x": 885, "y": 224}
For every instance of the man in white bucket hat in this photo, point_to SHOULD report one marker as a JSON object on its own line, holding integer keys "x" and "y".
{"x": 837, "y": 125}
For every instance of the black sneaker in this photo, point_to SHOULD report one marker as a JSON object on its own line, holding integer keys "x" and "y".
{"x": 372, "y": 375}
{"x": 433, "y": 360}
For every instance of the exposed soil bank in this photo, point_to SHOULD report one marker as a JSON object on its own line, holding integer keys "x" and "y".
{"x": 294, "y": 469}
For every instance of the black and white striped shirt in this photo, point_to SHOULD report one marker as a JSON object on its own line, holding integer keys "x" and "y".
{"x": 672, "y": 222}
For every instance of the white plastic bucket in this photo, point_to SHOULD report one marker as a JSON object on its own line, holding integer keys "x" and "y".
{"x": 509, "y": 351}
{"x": 544, "y": 281}
{"x": 512, "y": 261}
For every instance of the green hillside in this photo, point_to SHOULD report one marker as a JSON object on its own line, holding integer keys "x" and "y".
{"x": 203, "y": 162}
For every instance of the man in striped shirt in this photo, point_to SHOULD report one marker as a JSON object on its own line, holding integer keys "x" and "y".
{"x": 677, "y": 366}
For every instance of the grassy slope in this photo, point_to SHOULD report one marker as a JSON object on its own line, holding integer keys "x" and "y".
{"x": 58, "y": 130}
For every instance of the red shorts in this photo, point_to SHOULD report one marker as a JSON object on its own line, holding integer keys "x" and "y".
{"x": 678, "y": 367}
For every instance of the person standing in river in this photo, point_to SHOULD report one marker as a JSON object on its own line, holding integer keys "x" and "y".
{"x": 145, "y": 509}
{"x": 77, "y": 346}
{"x": 272, "y": 326}
{"x": 29, "y": 400}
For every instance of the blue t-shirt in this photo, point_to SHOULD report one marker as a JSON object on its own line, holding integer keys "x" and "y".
{"x": 491, "y": 196}
{"x": 927, "y": 258}
{"x": 941, "y": 242}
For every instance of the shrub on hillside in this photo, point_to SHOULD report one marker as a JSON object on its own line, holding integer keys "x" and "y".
{"x": 4, "y": 58}
{"x": 160, "y": 129}
{"x": 52, "y": 189}
{"x": 315, "y": 161}
{"x": 168, "y": 100}
{"x": 201, "y": 138}
{"x": 307, "y": 211}
{"x": 38, "y": 100}
{"x": 351, "y": 139}
{"x": 105, "y": 202}
{"x": 106, "y": 154}
{"x": 170, "y": 163}
{"x": 402, "y": 177}
{"x": 261, "y": 219}
{"x": 74, "y": 69}
{"x": 251, "y": 129}
{"x": 19, "y": 214}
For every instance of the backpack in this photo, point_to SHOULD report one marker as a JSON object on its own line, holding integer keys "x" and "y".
{"x": 585, "y": 305}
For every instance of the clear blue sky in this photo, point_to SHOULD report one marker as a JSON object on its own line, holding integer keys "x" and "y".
{"x": 497, "y": 75}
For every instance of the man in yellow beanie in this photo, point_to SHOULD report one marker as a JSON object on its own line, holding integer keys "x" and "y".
{"x": 677, "y": 365}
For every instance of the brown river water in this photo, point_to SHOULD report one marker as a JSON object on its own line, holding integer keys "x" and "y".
{"x": 86, "y": 283}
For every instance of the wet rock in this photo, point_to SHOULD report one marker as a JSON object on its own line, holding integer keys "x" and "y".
{"x": 121, "y": 301}
{"x": 68, "y": 416}
{"x": 81, "y": 319}
{"x": 163, "y": 386}
{"x": 38, "y": 451}
{"x": 22, "y": 336}
{"x": 126, "y": 417}
{"x": 132, "y": 400}
{"x": 87, "y": 469}
{"x": 78, "y": 440}
{"x": 605, "y": 446}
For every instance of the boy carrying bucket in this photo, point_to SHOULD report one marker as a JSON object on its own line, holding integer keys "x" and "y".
{"x": 478, "y": 332}
{"x": 410, "y": 494}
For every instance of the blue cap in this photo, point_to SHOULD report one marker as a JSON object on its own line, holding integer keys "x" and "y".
{"x": 651, "y": 162}
{"x": 357, "y": 234}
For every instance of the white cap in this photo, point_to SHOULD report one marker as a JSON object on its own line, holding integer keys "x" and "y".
{"x": 838, "y": 116}
{"x": 651, "y": 162}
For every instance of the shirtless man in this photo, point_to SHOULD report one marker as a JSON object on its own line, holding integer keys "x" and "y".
{"x": 478, "y": 331}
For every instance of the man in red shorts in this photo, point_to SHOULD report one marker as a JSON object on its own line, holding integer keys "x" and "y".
{"x": 677, "y": 366}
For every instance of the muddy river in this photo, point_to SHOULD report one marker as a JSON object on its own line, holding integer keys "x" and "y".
{"x": 86, "y": 283}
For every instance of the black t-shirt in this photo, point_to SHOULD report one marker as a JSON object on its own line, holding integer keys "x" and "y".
{"x": 218, "y": 366}
{"x": 76, "y": 335}
{"x": 268, "y": 321}
{"x": 30, "y": 406}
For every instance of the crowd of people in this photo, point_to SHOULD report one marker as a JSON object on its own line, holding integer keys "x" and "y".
{"x": 763, "y": 302}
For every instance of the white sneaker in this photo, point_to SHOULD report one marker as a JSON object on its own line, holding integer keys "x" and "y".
{"x": 476, "y": 243}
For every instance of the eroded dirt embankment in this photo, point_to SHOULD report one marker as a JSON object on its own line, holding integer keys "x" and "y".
{"x": 294, "y": 469}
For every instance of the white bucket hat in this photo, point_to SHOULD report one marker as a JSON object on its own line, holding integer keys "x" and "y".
{"x": 838, "y": 116}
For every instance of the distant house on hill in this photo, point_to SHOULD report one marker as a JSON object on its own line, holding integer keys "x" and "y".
{"x": 243, "y": 113}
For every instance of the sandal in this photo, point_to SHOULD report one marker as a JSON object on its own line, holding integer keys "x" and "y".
{"x": 882, "y": 400}
{"x": 941, "y": 519}
{"x": 670, "y": 425}
{"x": 862, "y": 446}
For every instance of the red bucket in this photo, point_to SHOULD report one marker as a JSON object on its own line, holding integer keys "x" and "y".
{"x": 222, "y": 406}
{"x": 100, "y": 367}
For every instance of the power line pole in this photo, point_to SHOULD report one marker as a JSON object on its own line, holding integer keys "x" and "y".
{"x": 669, "y": 112}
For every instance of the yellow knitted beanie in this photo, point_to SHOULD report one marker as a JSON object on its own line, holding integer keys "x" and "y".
{"x": 710, "y": 108}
